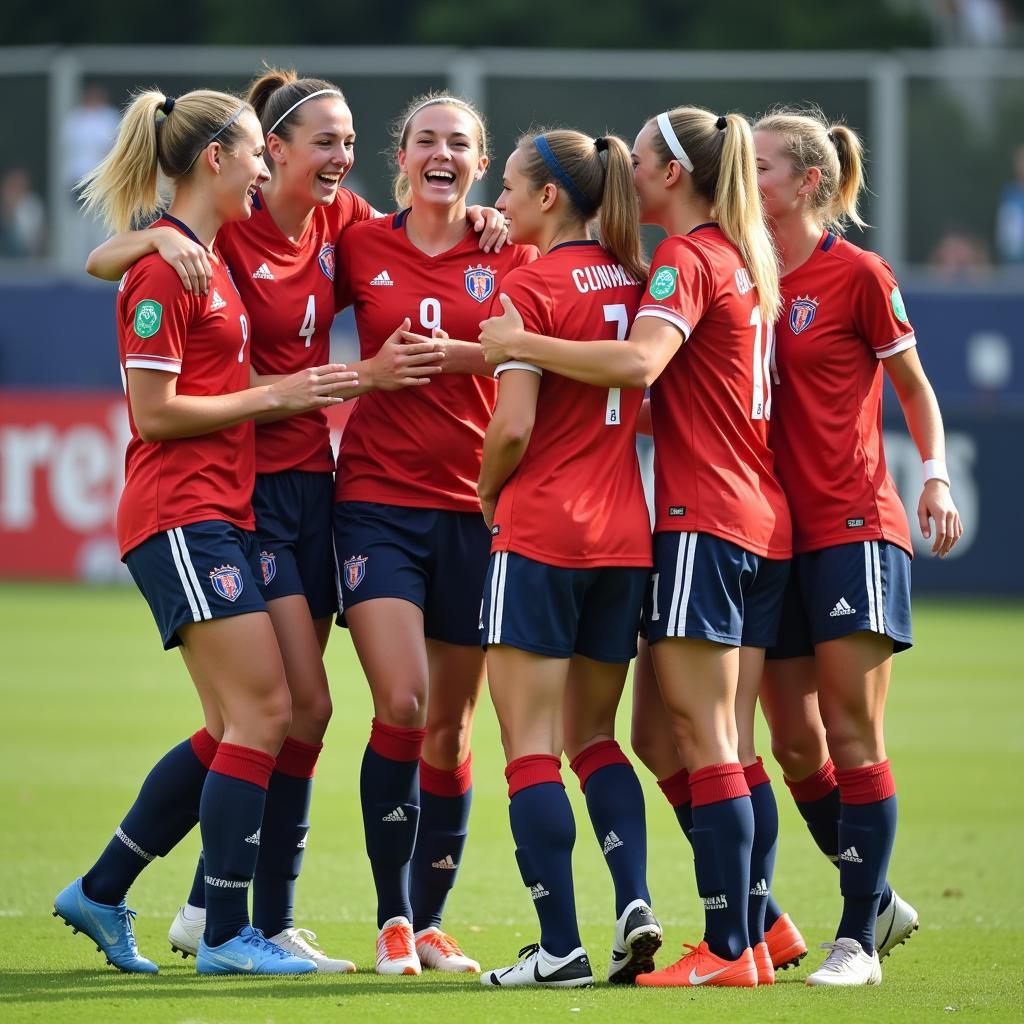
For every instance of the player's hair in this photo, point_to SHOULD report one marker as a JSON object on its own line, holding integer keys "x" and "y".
{"x": 280, "y": 91}
{"x": 599, "y": 175}
{"x": 400, "y": 133}
{"x": 124, "y": 188}
{"x": 810, "y": 140}
{"x": 725, "y": 173}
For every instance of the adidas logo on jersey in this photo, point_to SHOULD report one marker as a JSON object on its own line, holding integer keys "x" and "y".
{"x": 382, "y": 280}
{"x": 263, "y": 273}
{"x": 537, "y": 891}
{"x": 842, "y": 608}
{"x": 216, "y": 302}
{"x": 254, "y": 839}
{"x": 611, "y": 842}
{"x": 446, "y": 864}
{"x": 760, "y": 888}
{"x": 395, "y": 816}
{"x": 715, "y": 902}
{"x": 850, "y": 854}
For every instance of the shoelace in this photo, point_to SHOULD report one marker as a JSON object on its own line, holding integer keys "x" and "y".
{"x": 678, "y": 965}
{"x": 444, "y": 943}
{"x": 262, "y": 942}
{"x": 305, "y": 940}
{"x": 127, "y": 916}
{"x": 398, "y": 942}
{"x": 838, "y": 957}
{"x": 533, "y": 947}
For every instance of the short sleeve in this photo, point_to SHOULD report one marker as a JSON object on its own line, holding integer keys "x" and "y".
{"x": 679, "y": 286}
{"x": 879, "y": 315}
{"x": 343, "y": 272}
{"x": 535, "y": 306}
{"x": 156, "y": 312}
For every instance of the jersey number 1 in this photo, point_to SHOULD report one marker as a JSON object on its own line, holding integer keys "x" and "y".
{"x": 764, "y": 362}
{"x": 615, "y": 313}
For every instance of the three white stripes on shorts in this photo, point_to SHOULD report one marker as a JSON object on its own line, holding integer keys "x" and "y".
{"x": 873, "y": 585}
{"x": 187, "y": 573}
{"x": 496, "y": 611}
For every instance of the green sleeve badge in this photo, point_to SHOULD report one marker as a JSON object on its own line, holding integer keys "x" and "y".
{"x": 148, "y": 315}
{"x": 663, "y": 282}
{"x": 897, "y": 306}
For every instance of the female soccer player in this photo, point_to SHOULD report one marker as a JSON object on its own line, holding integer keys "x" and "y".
{"x": 847, "y": 608}
{"x": 411, "y": 545}
{"x": 722, "y": 530}
{"x": 571, "y": 552}
{"x": 185, "y": 521}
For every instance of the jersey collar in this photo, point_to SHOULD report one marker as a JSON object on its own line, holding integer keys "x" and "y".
{"x": 701, "y": 227}
{"x": 577, "y": 241}
{"x": 182, "y": 227}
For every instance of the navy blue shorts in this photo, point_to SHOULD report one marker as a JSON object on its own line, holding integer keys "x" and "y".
{"x": 849, "y": 588}
{"x": 294, "y": 511}
{"x": 708, "y": 588}
{"x": 197, "y": 572}
{"x": 560, "y": 612}
{"x": 434, "y": 558}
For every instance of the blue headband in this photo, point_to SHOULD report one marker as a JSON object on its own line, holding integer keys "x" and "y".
{"x": 585, "y": 205}
{"x": 216, "y": 135}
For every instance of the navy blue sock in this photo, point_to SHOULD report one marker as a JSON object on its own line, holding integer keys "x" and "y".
{"x": 615, "y": 802}
{"x": 283, "y": 836}
{"x": 722, "y": 836}
{"x": 867, "y": 832}
{"x": 545, "y": 833}
{"x": 445, "y": 800}
{"x": 389, "y": 791}
{"x": 762, "y": 851}
{"x": 164, "y": 812}
{"x": 197, "y": 894}
{"x": 230, "y": 816}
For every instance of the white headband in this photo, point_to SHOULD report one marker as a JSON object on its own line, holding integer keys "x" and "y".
{"x": 434, "y": 101}
{"x": 321, "y": 92}
{"x": 668, "y": 133}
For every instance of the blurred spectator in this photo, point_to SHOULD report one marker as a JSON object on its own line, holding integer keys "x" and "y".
{"x": 971, "y": 22}
{"x": 87, "y": 135}
{"x": 22, "y": 216}
{"x": 960, "y": 256}
{"x": 1010, "y": 215}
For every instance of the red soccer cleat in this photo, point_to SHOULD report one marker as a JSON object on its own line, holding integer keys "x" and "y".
{"x": 701, "y": 967}
{"x": 785, "y": 943}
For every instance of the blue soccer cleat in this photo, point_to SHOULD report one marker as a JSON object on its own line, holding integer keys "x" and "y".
{"x": 109, "y": 927}
{"x": 249, "y": 952}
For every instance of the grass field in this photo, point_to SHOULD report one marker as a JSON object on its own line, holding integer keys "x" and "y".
{"x": 89, "y": 702}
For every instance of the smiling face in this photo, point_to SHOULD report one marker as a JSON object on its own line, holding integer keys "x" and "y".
{"x": 521, "y": 203}
{"x": 319, "y": 151}
{"x": 783, "y": 191}
{"x": 441, "y": 156}
{"x": 241, "y": 170}
{"x": 649, "y": 177}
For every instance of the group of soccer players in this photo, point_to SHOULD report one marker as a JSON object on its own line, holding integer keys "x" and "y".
{"x": 776, "y": 525}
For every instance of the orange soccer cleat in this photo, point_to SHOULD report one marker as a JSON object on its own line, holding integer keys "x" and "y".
{"x": 396, "y": 948}
{"x": 785, "y": 943}
{"x": 763, "y": 963}
{"x": 440, "y": 952}
{"x": 701, "y": 967}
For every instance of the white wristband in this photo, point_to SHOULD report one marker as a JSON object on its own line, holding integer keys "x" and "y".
{"x": 934, "y": 469}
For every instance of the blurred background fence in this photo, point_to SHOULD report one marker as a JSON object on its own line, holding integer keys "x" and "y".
{"x": 945, "y": 136}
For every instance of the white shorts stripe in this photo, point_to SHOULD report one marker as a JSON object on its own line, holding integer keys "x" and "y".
{"x": 681, "y": 585}
{"x": 876, "y": 554}
{"x": 869, "y": 586}
{"x": 190, "y": 569}
{"x": 497, "y": 598}
{"x": 185, "y": 585}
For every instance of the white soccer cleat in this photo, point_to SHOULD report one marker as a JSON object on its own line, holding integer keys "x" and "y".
{"x": 847, "y": 964}
{"x": 396, "y": 948}
{"x": 541, "y": 970}
{"x": 637, "y": 938}
{"x": 186, "y": 933}
{"x": 301, "y": 942}
{"x": 440, "y": 952}
{"x": 894, "y": 926}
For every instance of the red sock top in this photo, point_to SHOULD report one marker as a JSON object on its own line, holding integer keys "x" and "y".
{"x": 718, "y": 782}
{"x": 395, "y": 742}
{"x": 677, "y": 788}
{"x": 816, "y": 786}
{"x": 532, "y": 770}
{"x": 447, "y": 782}
{"x": 596, "y": 756}
{"x": 866, "y": 785}
{"x": 204, "y": 746}
{"x": 243, "y": 763}
{"x": 297, "y": 758}
{"x": 755, "y": 774}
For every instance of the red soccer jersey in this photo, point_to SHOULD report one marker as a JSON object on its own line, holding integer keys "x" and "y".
{"x": 419, "y": 447}
{"x": 576, "y": 499}
{"x": 713, "y": 469}
{"x": 288, "y": 289}
{"x": 204, "y": 340}
{"x": 842, "y": 314}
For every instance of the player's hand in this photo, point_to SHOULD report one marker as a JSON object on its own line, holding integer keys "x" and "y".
{"x": 406, "y": 359}
{"x": 488, "y": 507}
{"x": 490, "y": 225}
{"x": 313, "y": 388}
{"x": 936, "y": 506}
{"x": 499, "y": 334}
{"x": 190, "y": 259}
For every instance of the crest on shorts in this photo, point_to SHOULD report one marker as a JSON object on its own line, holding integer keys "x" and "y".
{"x": 326, "y": 261}
{"x": 354, "y": 570}
{"x": 268, "y": 566}
{"x": 801, "y": 313}
{"x": 480, "y": 282}
{"x": 227, "y": 581}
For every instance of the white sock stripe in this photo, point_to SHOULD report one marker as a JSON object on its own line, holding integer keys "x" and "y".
{"x": 185, "y": 585}
{"x": 191, "y": 570}
{"x": 677, "y": 584}
{"x": 870, "y": 587}
{"x": 876, "y": 553}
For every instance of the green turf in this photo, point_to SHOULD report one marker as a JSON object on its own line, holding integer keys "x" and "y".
{"x": 89, "y": 702}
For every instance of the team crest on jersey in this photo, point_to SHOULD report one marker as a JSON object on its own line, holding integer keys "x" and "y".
{"x": 326, "y": 261}
{"x": 268, "y": 566}
{"x": 148, "y": 314}
{"x": 354, "y": 570}
{"x": 480, "y": 282}
{"x": 801, "y": 314}
{"x": 227, "y": 581}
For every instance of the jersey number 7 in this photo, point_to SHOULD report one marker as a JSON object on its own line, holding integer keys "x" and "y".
{"x": 615, "y": 313}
